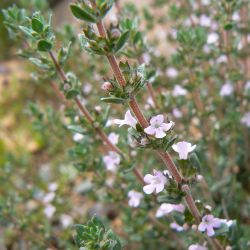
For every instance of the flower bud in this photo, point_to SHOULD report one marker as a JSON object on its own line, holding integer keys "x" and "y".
{"x": 66, "y": 86}
{"x": 194, "y": 227}
{"x": 185, "y": 226}
{"x": 144, "y": 141}
{"x": 107, "y": 86}
{"x": 199, "y": 177}
{"x": 115, "y": 33}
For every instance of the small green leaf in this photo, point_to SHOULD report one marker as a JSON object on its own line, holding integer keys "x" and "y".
{"x": 228, "y": 26}
{"x": 170, "y": 143}
{"x": 71, "y": 93}
{"x": 121, "y": 42}
{"x": 37, "y": 25}
{"x": 26, "y": 31}
{"x": 169, "y": 198}
{"x": 44, "y": 45}
{"x": 82, "y": 14}
{"x": 76, "y": 128}
{"x": 112, "y": 100}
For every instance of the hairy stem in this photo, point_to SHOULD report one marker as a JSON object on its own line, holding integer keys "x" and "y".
{"x": 144, "y": 123}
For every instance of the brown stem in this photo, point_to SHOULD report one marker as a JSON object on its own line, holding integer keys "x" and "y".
{"x": 84, "y": 110}
{"x": 137, "y": 112}
{"x": 171, "y": 166}
{"x": 191, "y": 204}
{"x": 144, "y": 123}
{"x": 60, "y": 94}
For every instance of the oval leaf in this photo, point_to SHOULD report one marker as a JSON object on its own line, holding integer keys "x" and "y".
{"x": 37, "y": 25}
{"x": 121, "y": 42}
{"x": 44, "y": 46}
{"x": 82, "y": 14}
{"x": 71, "y": 93}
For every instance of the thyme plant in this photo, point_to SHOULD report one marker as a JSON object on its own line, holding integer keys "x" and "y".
{"x": 160, "y": 137}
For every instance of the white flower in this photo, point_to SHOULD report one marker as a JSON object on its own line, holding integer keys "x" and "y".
{"x": 247, "y": 85}
{"x": 49, "y": 197}
{"x": 150, "y": 102}
{"x": 205, "y": 20}
{"x": 77, "y": 137}
{"x": 128, "y": 120}
{"x": 212, "y": 38}
{"x": 183, "y": 148}
{"x": 155, "y": 182}
{"x": 111, "y": 161}
{"x": 66, "y": 220}
{"x": 49, "y": 210}
{"x": 205, "y": 2}
{"x": 114, "y": 138}
{"x": 158, "y": 127}
{"x": 177, "y": 113}
{"x": 208, "y": 223}
{"x": 167, "y": 208}
{"x": 146, "y": 58}
{"x": 179, "y": 90}
{"x": 197, "y": 247}
{"x": 172, "y": 72}
{"x": 87, "y": 88}
{"x": 134, "y": 198}
{"x": 53, "y": 186}
{"x": 246, "y": 119}
{"x": 113, "y": 18}
{"x": 236, "y": 16}
{"x": 226, "y": 89}
{"x": 176, "y": 227}
{"x": 222, "y": 59}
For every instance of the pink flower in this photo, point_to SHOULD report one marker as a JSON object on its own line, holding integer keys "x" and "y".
{"x": 227, "y": 89}
{"x": 155, "y": 182}
{"x": 111, "y": 161}
{"x": 77, "y": 137}
{"x": 128, "y": 120}
{"x": 49, "y": 210}
{"x": 167, "y": 208}
{"x": 176, "y": 227}
{"x": 158, "y": 127}
{"x": 107, "y": 86}
{"x": 134, "y": 198}
{"x": 66, "y": 220}
{"x": 205, "y": 21}
{"x": 197, "y": 247}
{"x": 114, "y": 138}
{"x": 246, "y": 119}
{"x": 208, "y": 223}
{"x": 183, "y": 148}
{"x": 172, "y": 72}
{"x": 212, "y": 38}
{"x": 177, "y": 113}
{"x": 179, "y": 91}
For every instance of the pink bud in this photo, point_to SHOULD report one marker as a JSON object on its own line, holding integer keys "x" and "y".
{"x": 115, "y": 33}
{"x": 107, "y": 86}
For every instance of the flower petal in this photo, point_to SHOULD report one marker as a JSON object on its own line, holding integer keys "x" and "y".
{"x": 210, "y": 231}
{"x": 158, "y": 119}
{"x": 148, "y": 178}
{"x": 159, "y": 187}
{"x": 149, "y": 130}
{"x": 159, "y": 133}
{"x": 148, "y": 189}
{"x": 202, "y": 227}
